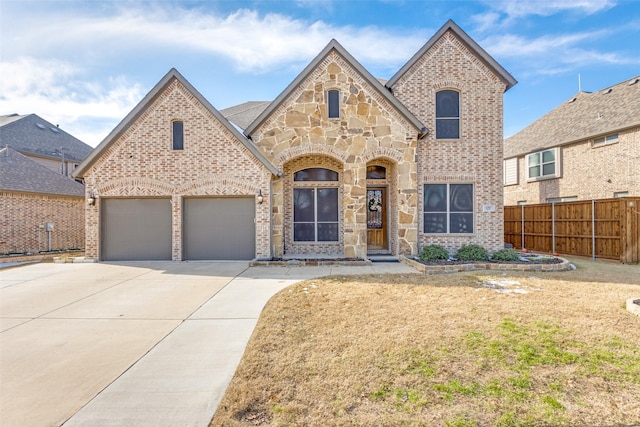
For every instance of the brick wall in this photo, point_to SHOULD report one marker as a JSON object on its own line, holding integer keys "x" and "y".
{"x": 476, "y": 157}
{"x": 142, "y": 163}
{"x": 24, "y": 216}
{"x": 587, "y": 173}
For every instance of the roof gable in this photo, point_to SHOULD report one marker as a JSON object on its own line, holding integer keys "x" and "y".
{"x": 32, "y": 134}
{"x": 143, "y": 105}
{"x": 337, "y": 47}
{"x": 474, "y": 47}
{"x": 22, "y": 174}
{"x": 583, "y": 116}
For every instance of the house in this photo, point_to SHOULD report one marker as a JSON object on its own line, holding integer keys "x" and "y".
{"x": 43, "y": 142}
{"x": 42, "y": 206}
{"x": 586, "y": 148}
{"x": 41, "y": 209}
{"x": 338, "y": 165}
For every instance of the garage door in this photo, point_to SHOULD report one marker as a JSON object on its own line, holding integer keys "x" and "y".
{"x": 219, "y": 228}
{"x": 136, "y": 229}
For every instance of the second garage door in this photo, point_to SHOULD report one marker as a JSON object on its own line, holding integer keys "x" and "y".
{"x": 219, "y": 228}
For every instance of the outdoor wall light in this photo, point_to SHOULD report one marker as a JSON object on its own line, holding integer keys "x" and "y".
{"x": 260, "y": 197}
{"x": 92, "y": 199}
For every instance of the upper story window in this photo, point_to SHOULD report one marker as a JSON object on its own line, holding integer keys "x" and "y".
{"x": 447, "y": 114}
{"x": 178, "y": 135}
{"x": 333, "y": 104}
{"x": 605, "y": 140}
{"x": 543, "y": 165}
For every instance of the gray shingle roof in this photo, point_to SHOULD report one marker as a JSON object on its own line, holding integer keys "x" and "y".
{"x": 583, "y": 116}
{"x": 22, "y": 174}
{"x": 243, "y": 114}
{"x": 32, "y": 134}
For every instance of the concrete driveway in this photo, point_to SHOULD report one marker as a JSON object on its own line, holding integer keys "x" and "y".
{"x": 131, "y": 344}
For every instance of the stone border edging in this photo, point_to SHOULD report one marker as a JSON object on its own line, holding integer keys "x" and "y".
{"x": 633, "y": 306}
{"x": 307, "y": 263}
{"x": 456, "y": 268}
{"x": 39, "y": 256}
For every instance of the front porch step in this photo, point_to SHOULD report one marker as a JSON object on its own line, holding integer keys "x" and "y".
{"x": 383, "y": 258}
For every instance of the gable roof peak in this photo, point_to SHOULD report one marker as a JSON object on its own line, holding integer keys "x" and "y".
{"x": 471, "y": 44}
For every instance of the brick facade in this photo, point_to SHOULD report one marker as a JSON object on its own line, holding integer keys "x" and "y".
{"x": 24, "y": 215}
{"x": 586, "y": 172}
{"x": 142, "y": 163}
{"x": 474, "y": 158}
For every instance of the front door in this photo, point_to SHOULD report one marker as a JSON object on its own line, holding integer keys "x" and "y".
{"x": 376, "y": 219}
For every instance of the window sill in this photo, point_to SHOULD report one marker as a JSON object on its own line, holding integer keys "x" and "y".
{"x": 543, "y": 178}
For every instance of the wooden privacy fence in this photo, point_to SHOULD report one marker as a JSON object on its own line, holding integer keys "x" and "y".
{"x": 606, "y": 228}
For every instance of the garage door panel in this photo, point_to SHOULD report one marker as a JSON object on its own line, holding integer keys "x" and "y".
{"x": 136, "y": 229}
{"x": 219, "y": 228}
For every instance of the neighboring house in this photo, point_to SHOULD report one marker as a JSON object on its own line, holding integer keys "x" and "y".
{"x": 42, "y": 141}
{"x": 41, "y": 209}
{"x": 338, "y": 165}
{"x": 586, "y": 148}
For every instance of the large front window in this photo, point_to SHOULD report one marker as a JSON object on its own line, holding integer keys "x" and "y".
{"x": 315, "y": 206}
{"x": 448, "y": 208}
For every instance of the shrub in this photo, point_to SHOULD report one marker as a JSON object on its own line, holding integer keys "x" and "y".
{"x": 433, "y": 252}
{"x": 472, "y": 252}
{"x": 506, "y": 255}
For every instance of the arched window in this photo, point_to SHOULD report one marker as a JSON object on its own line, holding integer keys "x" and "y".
{"x": 376, "y": 172}
{"x": 447, "y": 114}
{"x": 315, "y": 206}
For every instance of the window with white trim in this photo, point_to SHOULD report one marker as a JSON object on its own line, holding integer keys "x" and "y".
{"x": 605, "y": 140}
{"x": 543, "y": 165}
{"x": 315, "y": 206}
{"x": 447, "y": 114}
{"x": 448, "y": 208}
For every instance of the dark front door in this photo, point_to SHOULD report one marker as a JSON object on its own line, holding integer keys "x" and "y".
{"x": 376, "y": 219}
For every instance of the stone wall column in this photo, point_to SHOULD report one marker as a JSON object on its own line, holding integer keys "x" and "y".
{"x": 277, "y": 218}
{"x": 354, "y": 210}
{"x": 176, "y": 228}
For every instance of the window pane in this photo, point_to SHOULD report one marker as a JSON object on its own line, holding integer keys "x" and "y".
{"x": 612, "y": 138}
{"x": 178, "y": 135}
{"x": 327, "y": 204}
{"x": 548, "y": 156}
{"x": 435, "y": 222}
{"x": 327, "y": 232}
{"x": 303, "y": 205}
{"x": 315, "y": 174}
{"x": 447, "y": 128}
{"x": 534, "y": 159}
{"x": 461, "y": 198}
{"x": 447, "y": 104}
{"x": 303, "y": 232}
{"x": 435, "y": 197}
{"x": 549, "y": 169}
{"x": 333, "y": 102}
{"x": 376, "y": 172}
{"x": 534, "y": 171}
{"x": 461, "y": 223}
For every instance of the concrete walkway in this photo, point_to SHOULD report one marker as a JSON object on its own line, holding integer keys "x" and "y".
{"x": 131, "y": 344}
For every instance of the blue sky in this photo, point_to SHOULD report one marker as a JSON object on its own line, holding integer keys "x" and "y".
{"x": 85, "y": 64}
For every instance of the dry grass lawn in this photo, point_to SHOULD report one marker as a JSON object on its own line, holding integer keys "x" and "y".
{"x": 445, "y": 351}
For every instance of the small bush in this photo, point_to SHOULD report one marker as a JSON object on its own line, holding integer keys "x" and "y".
{"x": 433, "y": 252}
{"x": 472, "y": 252}
{"x": 506, "y": 255}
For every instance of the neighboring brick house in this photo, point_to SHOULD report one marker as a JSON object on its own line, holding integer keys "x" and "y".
{"x": 586, "y": 148}
{"x": 338, "y": 165}
{"x": 36, "y": 191}
{"x": 41, "y": 209}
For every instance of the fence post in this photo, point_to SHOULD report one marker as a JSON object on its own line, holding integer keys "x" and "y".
{"x": 593, "y": 229}
{"x": 553, "y": 227}
{"x": 522, "y": 223}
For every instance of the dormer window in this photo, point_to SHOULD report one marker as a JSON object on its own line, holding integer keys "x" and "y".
{"x": 178, "y": 135}
{"x": 447, "y": 114}
{"x": 333, "y": 104}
